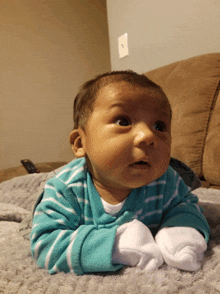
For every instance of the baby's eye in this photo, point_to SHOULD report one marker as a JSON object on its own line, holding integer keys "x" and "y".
{"x": 160, "y": 126}
{"x": 124, "y": 122}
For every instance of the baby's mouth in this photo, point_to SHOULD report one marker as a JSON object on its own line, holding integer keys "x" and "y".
{"x": 141, "y": 164}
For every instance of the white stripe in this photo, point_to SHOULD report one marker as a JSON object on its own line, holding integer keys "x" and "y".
{"x": 178, "y": 182}
{"x": 74, "y": 174}
{"x": 35, "y": 225}
{"x": 69, "y": 251}
{"x": 65, "y": 171}
{"x": 38, "y": 213}
{"x": 33, "y": 236}
{"x": 151, "y": 213}
{"x": 139, "y": 211}
{"x": 197, "y": 206}
{"x": 153, "y": 198}
{"x": 49, "y": 211}
{"x": 175, "y": 173}
{"x": 47, "y": 260}
{"x": 56, "y": 202}
{"x": 157, "y": 183}
{"x": 36, "y": 250}
{"x": 55, "y": 270}
{"x": 60, "y": 221}
{"x": 87, "y": 218}
{"x": 83, "y": 200}
{"x": 52, "y": 188}
{"x": 78, "y": 185}
{"x": 168, "y": 202}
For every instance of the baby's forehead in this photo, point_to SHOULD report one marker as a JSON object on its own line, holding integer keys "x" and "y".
{"x": 124, "y": 94}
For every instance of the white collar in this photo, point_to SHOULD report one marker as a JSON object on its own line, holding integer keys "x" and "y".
{"x": 112, "y": 209}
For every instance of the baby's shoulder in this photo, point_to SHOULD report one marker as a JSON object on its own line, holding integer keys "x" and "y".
{"x": 73, "y": 172}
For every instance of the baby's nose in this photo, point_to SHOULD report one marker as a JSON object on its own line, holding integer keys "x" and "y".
{"x": 145, "y": 135}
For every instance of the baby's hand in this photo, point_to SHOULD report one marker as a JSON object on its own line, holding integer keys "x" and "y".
{"x": 182, "y": 247}
{"x": 135, "y": 246}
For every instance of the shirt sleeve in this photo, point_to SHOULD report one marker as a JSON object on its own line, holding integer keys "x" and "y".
{"x": 180, "y": 207}
{"x": 61, "y": 242}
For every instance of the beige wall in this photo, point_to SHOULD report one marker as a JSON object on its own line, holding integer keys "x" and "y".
{"x": 161, "y": 32}
{"x": 48, "y": 49}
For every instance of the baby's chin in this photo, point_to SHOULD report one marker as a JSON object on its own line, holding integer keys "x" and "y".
{"x": 138, "y": 184}
{"x": 133, "y": 178}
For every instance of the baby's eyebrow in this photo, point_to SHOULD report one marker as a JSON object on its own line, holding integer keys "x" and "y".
{"x": 117, "y": 104}
{"x": 121, "y": 105}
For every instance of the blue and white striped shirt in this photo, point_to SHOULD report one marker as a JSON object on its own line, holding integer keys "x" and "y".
{"x": 71, "y": 231}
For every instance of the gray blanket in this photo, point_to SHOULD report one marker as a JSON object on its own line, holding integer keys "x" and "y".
{"x": 20, "y": 274}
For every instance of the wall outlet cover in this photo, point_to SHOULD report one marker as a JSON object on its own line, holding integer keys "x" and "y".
{"x": 123, "y": 45}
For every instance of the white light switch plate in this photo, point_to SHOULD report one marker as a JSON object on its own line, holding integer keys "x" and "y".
{"x": 123, "y": 45}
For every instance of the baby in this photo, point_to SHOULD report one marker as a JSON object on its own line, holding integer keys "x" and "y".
{"x": 119, "y": 202}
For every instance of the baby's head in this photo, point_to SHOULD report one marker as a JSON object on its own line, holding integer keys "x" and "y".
{"x": 88, "y": 92}
{"x": 122, "y": 126}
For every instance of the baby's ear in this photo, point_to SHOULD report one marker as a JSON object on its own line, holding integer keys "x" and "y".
{"x": 76, "y": 142}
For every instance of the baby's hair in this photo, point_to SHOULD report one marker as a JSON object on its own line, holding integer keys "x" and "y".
{"x": 85, "y": 98}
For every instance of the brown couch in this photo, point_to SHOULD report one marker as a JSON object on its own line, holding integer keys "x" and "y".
{"x": 193, "y": 88}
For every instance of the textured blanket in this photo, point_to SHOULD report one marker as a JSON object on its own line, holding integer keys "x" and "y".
{"x": 20, "y": 274}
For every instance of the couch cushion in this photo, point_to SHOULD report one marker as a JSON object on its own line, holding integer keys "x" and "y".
{"x": 211, "y": 158}
{"x": 191, "y": 87}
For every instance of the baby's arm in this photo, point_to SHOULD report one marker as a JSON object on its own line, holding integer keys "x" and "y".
{"x": 59, "y": 242}
{"x": 184, "y": 231}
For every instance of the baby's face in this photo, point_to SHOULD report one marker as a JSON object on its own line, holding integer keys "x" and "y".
{"x": 127, "y": 137}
